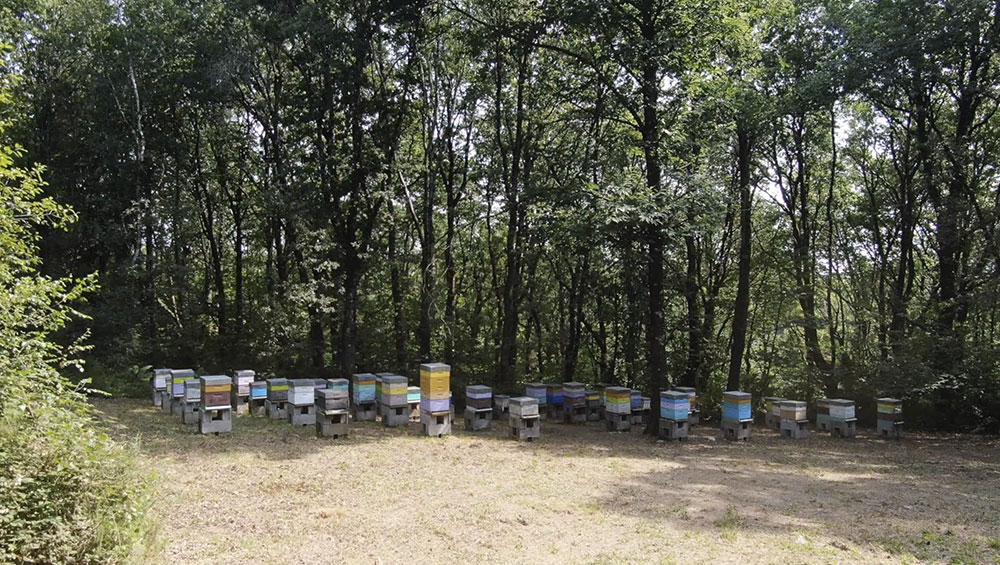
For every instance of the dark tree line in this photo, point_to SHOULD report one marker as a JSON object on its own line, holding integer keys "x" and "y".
{"x": 798, "y": 198}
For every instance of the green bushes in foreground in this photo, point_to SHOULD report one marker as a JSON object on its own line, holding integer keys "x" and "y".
{"x": 68, "y": 493}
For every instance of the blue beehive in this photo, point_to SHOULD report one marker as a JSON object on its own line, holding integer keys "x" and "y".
{"x": 674, "y": 406}
{"x": 735, "y": 406}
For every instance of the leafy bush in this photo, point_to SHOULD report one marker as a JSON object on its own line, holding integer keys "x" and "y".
{"x": 68, "y": 494}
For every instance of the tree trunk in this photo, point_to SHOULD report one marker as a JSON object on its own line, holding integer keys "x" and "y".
{"x": 741, "y": 306}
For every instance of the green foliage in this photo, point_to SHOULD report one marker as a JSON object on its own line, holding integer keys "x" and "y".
{"x": 70, "y": 494}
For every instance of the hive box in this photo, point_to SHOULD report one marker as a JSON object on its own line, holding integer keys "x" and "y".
{"x": 240, "y": 395}
{"x": 539, "y": 393}
{"x": 595, "y": 406}
{"x": 216, "y": 415}
{"x": 618, "y": 408}
{"x": 177, "y": 379}
{"x": 332, "y": 404}
{"x": 772, "y": 416}
{"x": 890, "y": 417}
{"x": 276, "y": 405}
{"x": 302, "y": 402}
{"x": 413, "y": 401}
{"x": 524, "y": 420}
{"x": 674, "y": 406}
{"x": 823, "y": 414}
{"x": 363, "y": 390}
{"x": 794, "y": 419}
{"x": 843, "y": 422}
{"x": 258, "y": 397}
{"x": 395, "y": 401}
{"x": 736, "y": 415}
{"x": 501, "y": 406}
{"x": 190, "y": 401}
{"x": 574, "y": 402}
{"x": 478, "y": 407}
{"x": 158, "y": 382}
{"x": 435, "y": 399}
{"x": 695, "y": 415}
{"x": 635, "y": 402}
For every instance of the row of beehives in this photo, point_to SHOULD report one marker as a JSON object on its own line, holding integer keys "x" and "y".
{"x": 209, "y": 401}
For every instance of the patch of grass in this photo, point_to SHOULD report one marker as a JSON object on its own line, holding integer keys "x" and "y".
{"x": 730, "y": 523}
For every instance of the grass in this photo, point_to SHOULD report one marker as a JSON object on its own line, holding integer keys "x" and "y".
{"x": 269, "y": 493}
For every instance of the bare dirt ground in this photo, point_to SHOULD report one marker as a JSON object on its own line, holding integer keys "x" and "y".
{"x": 270, "y": 493}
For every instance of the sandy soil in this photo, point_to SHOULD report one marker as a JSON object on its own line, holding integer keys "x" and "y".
{"x": 270, "y": 493}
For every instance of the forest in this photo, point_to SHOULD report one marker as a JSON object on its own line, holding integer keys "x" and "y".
{"x": 779, "y": 196}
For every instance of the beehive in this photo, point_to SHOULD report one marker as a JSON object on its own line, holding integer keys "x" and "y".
{"x": 823, "y": 414}
{"x": 258, "y": 390}
{"x": 574, "y": 395}
{"x": 524, "y": 418}
{"x": 618, "y": 400}
{"x": 394, "y": 390}
{"x": 695, "y": 415}
{"x": 890, "y": 417}
{"x": 793, "y": 419}
{"x": 674, "y": 406}
{"x": 301, "y": 392}
{"x": 177, "y": 379}
{"x": 479, "y": 397}
{"x": 413, "y": 394}
{"x": 329, "y": 400}
{"x": 363, "y": 390}
{"x": 435, "y": 398}
{"x": 772, "y": 415}
{"x": 537, "y": 391}
{"x": 554, "y": 400}
{"x": 215, "y": 416}
{"x": 158, "y": 382}
{"x": 842, "y": 416}
{"x": 332, "y": 405}
{"x": 635, "y": 400}
{"x": 339, "y": 385}
{"x": 736, "y": 406}
{"x": 190, "y": 401}
{"x": 277, "y": 390}
{"x": 501, "y": 406}
{"x": 216, "y": 392}
{"x": 523, "y": 406}
{"x": 242, "y": 380}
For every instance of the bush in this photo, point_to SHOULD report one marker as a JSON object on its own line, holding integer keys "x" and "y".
{"x": 68, "y": 494}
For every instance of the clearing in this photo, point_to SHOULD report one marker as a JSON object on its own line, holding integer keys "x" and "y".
{"x": 270, "y": 493}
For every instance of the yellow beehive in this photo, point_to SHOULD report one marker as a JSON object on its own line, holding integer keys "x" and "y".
{"x": 435, "y": 381}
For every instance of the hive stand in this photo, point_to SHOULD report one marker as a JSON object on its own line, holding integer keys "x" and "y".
{"x": 332, "y": 423}
{"x": 794, "y": 429}
{"x": 217, "y": 421}
{"x": 844, "y": 428}
{"x": 618, "y": 422}
{"x": 889, "y": 429}
{"x": 437, "y": 424}
{"x": 363, "y": 412}
{"x": 394, "y": 416}
{"x": 478, "y": 419}
{"x": 501, "y": 407}
{"x": 694, "y": 417}
{"x": 575, "y": 414}
{"x": 301, "y": 414}
{"x": 256, "y": 407}
{"x": 414, "y": 408}
{"x": 638, "y": 417}
{"x": 166, "y": 399}
{"x": 157, "y": 398}
{"x": 738, "y": 430}
{"x": 673, "y": 429}
{"x": 276, "y": 410}
{"x": 556, "y": 411}
{"x": 190, "y": 411}
{"x": 177, "y": 405}
{"x": 525, "y": 428}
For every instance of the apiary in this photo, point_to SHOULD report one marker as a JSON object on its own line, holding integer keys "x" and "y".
{"x": 158, "y": 382}
{"x": 478, "y": 407}
{"x": 843, "y": 422}
{"x": 823, "y": 414}
{"x": 890, "y": 417}
{"x": 177, "y": 379}
{"x": 595, "y": 405}
{"x": 574, "y": 402}
{"x": 240, "y": 395}
{"x": 276, "y": 404}
{"x": 332, "y": 406}
{"x": 618, "y": 408}
{"x": 435, "y": 399}
{"x": 363, "y": 405}
{"x": 525, "y": 424}
{"x": 258, "y": 397}
{"x": 301, "y": 405}
{"x": 695, "y": 415}
{"x": 216, "y": 415}
{"x": 772, "y": 415}
{"x": 191, "y": 401}
{"x": 501, "y": 407}
{"x": 737, "y": 417}
{"x": 395, "y": 401}
{"x": 794, "y": 419}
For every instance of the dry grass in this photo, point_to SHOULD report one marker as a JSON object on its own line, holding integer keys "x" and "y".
{"x": 269, "y": 493}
